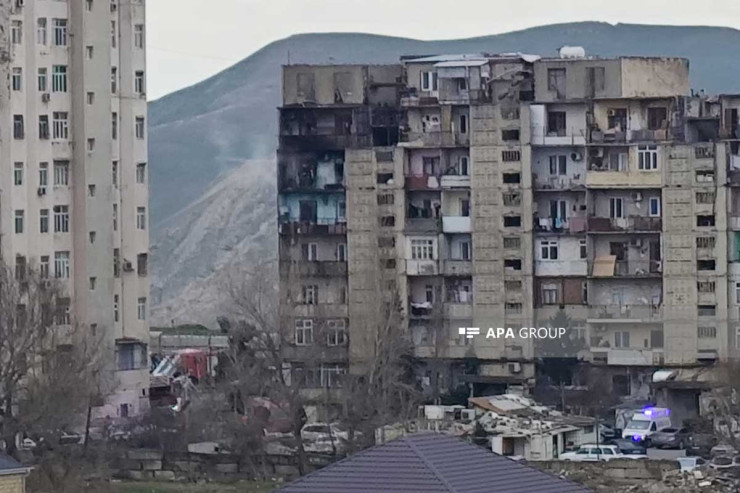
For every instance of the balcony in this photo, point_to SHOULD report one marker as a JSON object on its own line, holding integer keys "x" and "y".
{"x": 628, "y": 357}
{"x": 458, "y": 268}
{"x": 627, "y": 268}
{"x": 456, "y": 224}
{"x": 422, "y": 310}
{"x": 422, "y": 182}
{"x": 315, "y": 269}
{"x": 433, "y": 139}
{"x": 422, "y": 267}
{"x": 318, "y": 226}
{"x": 455, "y": 181}
{"x": 561, "y": 137}
{"x": 555, "y": 183}
{"x": 423, "y": 225}
{"x": 632, "y": 224}
{"x": 459, "y": 311}
{"x": 624, "y": 313}
{"x": 325, "y": 141}
{"x": 733, "y": 176}
{"x": 571, "y": 225}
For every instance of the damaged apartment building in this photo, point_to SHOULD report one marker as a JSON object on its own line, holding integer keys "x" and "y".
{"x": 495, "y": 191}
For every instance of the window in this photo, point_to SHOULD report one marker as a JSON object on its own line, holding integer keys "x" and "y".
{"x": 616, "y": 207}
{"x": 510, "y": 156}
{"x": 549, "y": 249}
{"x": 44, "y": 221}
{"x": 139, "y": 36}
{"x": 336, "y": 333}
{"x": 309, "y": 252}
{"x": 428, "y": 81}
{"x": 43, "y": 127}
{"x": 89, "y": 51}
{"x": 342, "y": 252}
{"x": 114, "y": 171}
{"x": 141, "y": 218}
{"x": 61, "y": 219}
{"x": 61, "y": 173}
{"x": 19, "y": 216}
{"x": 43, "y": 176}
{"x": 139, "y": 82}
{"x": 512, "y": 221}
{"x": 706, "y": 265}
{"x": 18, "y": 174}
{"x": 594, "y": 80}
{"x": 556, "y": 123}
{"x": 513, "y": 286}
{"x": 705, "y": 176}
{"x": 130, "y": 356}
{"x": 463, "y": 124}
{"x": 59, "y": 78}
{"x": 19, "y": 131}
{"x": 60, "y": 32}
{"x": 116, "y": 262}
{"x": 115, "y": 217}
{"x": 114, "y": 125}
{"x": 511, "y": 178}
{"x": 61, "y": 313}
{"x": 61, "y": 265}
{"x": 44, "y": 266}
{"x": 385, "y": 199}
{"x": 647, "y": 157}
{"x": 92, "y": 283}
{"x": 113, "y": 33}
{"x": 422, "y": 249}
{"x": 142, "y": 260}
{"x": 60, "y": 125}
{"x": 622, "y": 339}
{"x": 704, "y": 197}
{"x": 617, "y": 119}
{"x": 115, "y": 308}
{"x": 512, "y": 199}
{"x": 139, "y": 126}
{"x": 707, "y": 310}
{"x": 465, "y": 250}
{"x": 310, "y": 294}
{"x": 583, "y": 246}
{"x": 512, "y": 243}
{"x": 550, "y": 294}
{"x": 510, "y": 134}
{"x": 16, "y": 80}
{"x": 331, "y": 374}
{"x": 43, "y": 79}
{"x": 558, "y": 165}
{"x": 556, "y": 81}
{"x": 706, "y": 286}
{"x": 464, "y": 165}
{"x": 113, "y": 80}
{"x": 657, "y": 118}
{"x": 513, "y": 264}
{"x": 141, "y": 173}
{"x": 513, "y": 308}
{"x": 141, "y": 308}
{"x": 705, "y": 220}
{"x": 90, "y": 144}
{"x": 16, "y": 32}
{"x": 89, "y": 5}
{"x": 341, "y": 211}
{"x": 303, "y": 332}
{"x": 92, "y": 235}
{"x": 654, "y": 207}
{"x": 705, "y": 242}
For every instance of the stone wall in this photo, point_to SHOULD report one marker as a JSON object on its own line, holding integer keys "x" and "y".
{"x": 615, "y": 472}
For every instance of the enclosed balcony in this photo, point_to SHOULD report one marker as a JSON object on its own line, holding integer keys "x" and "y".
{"x": 625, "y": 313}
{"x": 632, "y": 224}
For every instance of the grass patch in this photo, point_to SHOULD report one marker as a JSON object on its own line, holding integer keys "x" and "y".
{"x": 177, "y": 487}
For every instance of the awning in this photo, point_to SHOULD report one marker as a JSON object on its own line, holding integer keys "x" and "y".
{"x": 604, "y": 266}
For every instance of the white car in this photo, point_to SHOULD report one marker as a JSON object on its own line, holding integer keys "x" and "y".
{"x": 591, "y": 452}
{"x": 688, "y": 464}
{"x": 318, "y": 432}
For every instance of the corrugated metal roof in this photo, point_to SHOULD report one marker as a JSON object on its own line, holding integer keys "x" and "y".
{"x": 430, "y": 463}
{"x": 9, "y": 465}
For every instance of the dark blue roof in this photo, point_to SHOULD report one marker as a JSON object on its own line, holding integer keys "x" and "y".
{"x": 430, "y": 463}
{"x": 8, "y": 463}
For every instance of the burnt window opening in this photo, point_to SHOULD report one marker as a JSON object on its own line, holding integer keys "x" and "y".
{"x": 512, "y": 221}
{"x": 387, "y": 221}
{"x": 556, "y": 123}
{"x": 512, "y": 178}
{"x": 513, "y": 263}
{"x": 510, "y": 134}
{"x": 308, "y": 211}
{"x": 385, "y": 178}
{"x": 617, "y": 119}
{"x": 703, "y": 221}
{"x": 556, "y": 81}
{"x": 384, "y": 156}
{"x": 657, "y": 118}
{"x": 386, "y": 199}
{"x": 390, "y": 263}
{"x": 512, "y": 243}
{"x": 706, "y": 265}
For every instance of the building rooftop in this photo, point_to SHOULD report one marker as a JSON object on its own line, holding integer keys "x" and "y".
{"x": 432, "y": 463}
{"x": 8, "y": 466}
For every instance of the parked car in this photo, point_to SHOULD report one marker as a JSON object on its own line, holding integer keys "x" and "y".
{"x": 591, "y": 452}
{"x": 628, "y": 447}
{"x": 722, "y": 449}
{"x": 316, "y": 432}
{"x": 688, "y": 464}
{"x": 670, "y": 438}
{"x": 701, "y": 444}
{"x": 607, "y": 432}
{"x": 725, "y": 463}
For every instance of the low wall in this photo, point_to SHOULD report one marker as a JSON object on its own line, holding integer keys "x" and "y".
{"x": 616, "y": 471}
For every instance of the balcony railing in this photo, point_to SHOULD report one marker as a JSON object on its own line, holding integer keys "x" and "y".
{"x": 315, "y": 226}
{"x": 433, "y": 139}
{"x": 625, "y": 312}
{"x": 422, "y": 267}
{"x": 632, "y": 223}
{"x": 559, "y": 182}
{"x": 422, "y": 182}
{"x": 423, "y": 225}
{"x": 458, "y": 268}
{"x": 456, "y": 224}
{"x": 626, "y": 268}
{"x": 566, "y": 136}
{"x": 305, "y": 268}
{"x": 325, "y": 141}
{"x": 455, "y": 181}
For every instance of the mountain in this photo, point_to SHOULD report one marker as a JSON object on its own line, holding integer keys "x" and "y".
{"x": 210, "y": 141}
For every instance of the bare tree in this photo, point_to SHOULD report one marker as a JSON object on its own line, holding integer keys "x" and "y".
{"x": 723, "y": 402}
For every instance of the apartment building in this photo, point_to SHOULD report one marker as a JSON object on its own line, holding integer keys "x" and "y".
{"x": 498, "y": 191}
{"x": 74, "y": 191}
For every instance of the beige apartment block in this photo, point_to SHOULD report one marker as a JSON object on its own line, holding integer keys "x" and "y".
{"x": 74, "y": 190}
{"x": 499, "y": 191}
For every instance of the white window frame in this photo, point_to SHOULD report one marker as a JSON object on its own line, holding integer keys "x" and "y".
{"x": 310, "y": 294}
{"x": 303, "y": 332}
{"x": 140, "y": 127}
{"x": 59, "y": 78}
{"x": 16, "y": 82}
{"x": 61, "y": 219}
{"x": 647, "y": 157}
{"x": 464, "y": 166}
{"x": 141, "y": 173}
{"x": 60, "y": 125}
{"x": 342, "y": 252}
{"x": 18, "y": 173}
{"x": 422, "y": 249}
{"x": 559, "y": 164}
{"x": 336, "y": 332}
{"x": 583, "y": 249}
{"x": 651, "y": 201}
{"x": 60, "y": 32}
{"x": 141, "y": 218}
{"x": 43, "y": 220}
{"x": 139, "y": 85}
{"x": 429, "y": 81}
{"x": 550, "y": 294}
{"x": 549, "y": 250}
{"x": 61, "y": 173}
{"x": 42, "y": 37}
{"x": 141, "y": 308}
{"x": 16, "y": 32}
{"x": 139, "y": 36}
{"x": 620, "y": 337}
{"x": 43, "y": 79}
{"x": 613, "y": 212}
{"x": 61, "y": 265}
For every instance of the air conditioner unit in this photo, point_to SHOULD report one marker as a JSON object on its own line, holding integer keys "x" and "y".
{"x": 45, "y": 97}
{"x": 128, "y": 266}
{"x": 636, "y": 242}
{"x": 611, "y": 112}
{"x": 41, "y": 191}
{"x": 515, "y": 368}
{"x": 576, "y": 156}
{"x": 637, "y": 196}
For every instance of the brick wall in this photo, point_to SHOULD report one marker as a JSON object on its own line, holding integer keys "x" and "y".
{"x": 12, "y": 484}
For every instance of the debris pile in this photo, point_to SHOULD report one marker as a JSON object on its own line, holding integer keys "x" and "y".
{"x": 697, "y": 481}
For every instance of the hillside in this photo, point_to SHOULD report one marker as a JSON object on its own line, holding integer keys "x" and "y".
{"x": 200, "y": 134}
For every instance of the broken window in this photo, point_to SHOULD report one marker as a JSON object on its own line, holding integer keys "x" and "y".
{"x": 511, "y": 134}
{"x": 512, "y": 178}
{"x": 707, "y": 310}
{"x": 512, "y": 199}
{"x": 706, "y": 264}
{"x": 594, "y": 80}
{"x": 705, "y": 220}
{"x": 556, "y": 123}
{"x": 512, "y": 221}
{"x": 307, "y": 211}
{"x": 387, "y": 221}
{"x": 617, "y": 119}
{"x": 705, "y": 176}
{"x": 342, "y": 86}
{"x": 556, "y": 81}
{"x": 385, "y": 199}
{"x": 305, "y": 86}
{"x": 657, "y": 118}
{"x": 385, "y": 178}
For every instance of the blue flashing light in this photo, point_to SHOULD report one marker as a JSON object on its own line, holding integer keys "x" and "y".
{"x": 636, "y": 438}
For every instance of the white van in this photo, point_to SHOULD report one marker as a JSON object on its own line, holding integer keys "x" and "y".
{"x": 646, "y": 422}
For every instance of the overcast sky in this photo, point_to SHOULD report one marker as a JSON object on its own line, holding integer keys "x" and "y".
{"x": 190, "y": 40}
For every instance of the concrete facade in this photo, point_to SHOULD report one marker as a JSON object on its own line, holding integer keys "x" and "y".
{"x": 74, "y": 127}
{"x": 513, "y": 188}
